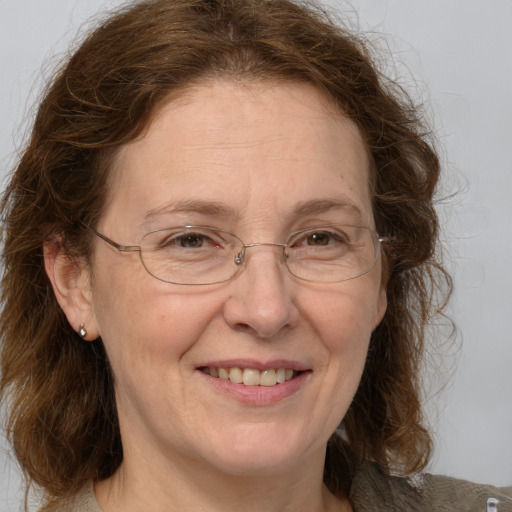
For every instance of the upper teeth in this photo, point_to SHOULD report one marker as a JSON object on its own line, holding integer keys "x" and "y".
{"x": 251, "y": 376}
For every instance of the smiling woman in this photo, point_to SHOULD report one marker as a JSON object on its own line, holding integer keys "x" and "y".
{"x": 259, "y": 322}
{"x": 220, "y": 259}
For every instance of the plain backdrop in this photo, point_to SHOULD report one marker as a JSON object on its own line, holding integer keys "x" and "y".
{"x": 456, "y": 57}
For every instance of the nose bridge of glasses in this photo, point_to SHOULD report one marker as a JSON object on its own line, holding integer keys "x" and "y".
{"x": 240, "y": 257}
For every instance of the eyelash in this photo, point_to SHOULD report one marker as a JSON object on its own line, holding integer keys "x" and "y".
{"x": 333, "y": 237}
{"x": 180, "y": 240}
{"x": 175, "y": 239}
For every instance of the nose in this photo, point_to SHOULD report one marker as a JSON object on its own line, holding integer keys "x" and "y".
{"x": 261, "y": 302}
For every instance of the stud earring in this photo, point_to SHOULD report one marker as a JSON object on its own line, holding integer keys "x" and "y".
{"x": 81, "y": 331}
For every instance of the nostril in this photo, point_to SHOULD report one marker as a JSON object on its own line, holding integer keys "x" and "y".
{"x": 245, "y": 328}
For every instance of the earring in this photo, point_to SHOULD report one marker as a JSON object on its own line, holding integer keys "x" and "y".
{"x": 81, "y": 331}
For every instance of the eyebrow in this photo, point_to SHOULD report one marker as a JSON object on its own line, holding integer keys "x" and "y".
{"x": 316, "y": 206}
{"x": 210, "y": 208}
{"x": 222, "y": 210}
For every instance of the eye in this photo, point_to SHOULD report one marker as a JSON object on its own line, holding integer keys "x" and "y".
{"x": 190, "y": 240}
{"x": 320, "y": 238}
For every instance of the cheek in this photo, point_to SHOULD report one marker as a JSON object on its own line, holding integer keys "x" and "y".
{"x": 343, "y": 323}
{"x": 343, "y": 319}
{"x": 146, "y": 324}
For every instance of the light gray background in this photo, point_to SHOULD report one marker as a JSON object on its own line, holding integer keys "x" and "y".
{"x": 456, "y": 55}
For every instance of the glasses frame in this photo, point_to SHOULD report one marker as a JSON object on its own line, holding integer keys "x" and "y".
{"x": 240, "y": 258}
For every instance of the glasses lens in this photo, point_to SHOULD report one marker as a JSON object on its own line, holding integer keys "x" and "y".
{"x": 203, "y": 255}
{"x": 332, "y": 253}
{"x": 190, "y": 255}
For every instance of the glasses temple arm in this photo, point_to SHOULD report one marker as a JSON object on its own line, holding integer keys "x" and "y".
{"x": 119, "y": 247}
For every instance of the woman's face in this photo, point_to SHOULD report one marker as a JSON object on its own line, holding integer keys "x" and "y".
{"x": 260, "y": 161}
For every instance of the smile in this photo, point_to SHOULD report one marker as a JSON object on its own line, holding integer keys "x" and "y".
{"x": 251, "y": 376}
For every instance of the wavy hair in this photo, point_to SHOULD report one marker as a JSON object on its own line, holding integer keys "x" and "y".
{"x": 58, "y": 391}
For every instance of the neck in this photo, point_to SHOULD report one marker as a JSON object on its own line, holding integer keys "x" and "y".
{"x": 190, "y": 485}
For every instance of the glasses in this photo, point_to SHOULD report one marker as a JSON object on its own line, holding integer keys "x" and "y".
{"x": 201, "y": 255}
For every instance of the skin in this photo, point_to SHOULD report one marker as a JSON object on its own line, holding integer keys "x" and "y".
{"x": 261, "y": 150}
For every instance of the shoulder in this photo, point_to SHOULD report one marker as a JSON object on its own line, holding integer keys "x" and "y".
{"x": 372, "y": 490}
{"x": 83, "y": 501}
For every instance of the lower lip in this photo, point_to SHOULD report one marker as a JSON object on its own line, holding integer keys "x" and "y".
{"x": 257, "y": 395}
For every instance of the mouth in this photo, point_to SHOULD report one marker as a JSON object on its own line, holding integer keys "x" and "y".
{"x": 251, "y": 376}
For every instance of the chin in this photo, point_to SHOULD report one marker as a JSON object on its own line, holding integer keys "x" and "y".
{"x": 256, "y": 464}
{"x": 267, "y": 451}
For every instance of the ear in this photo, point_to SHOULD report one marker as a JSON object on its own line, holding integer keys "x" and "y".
{"x": 382, "y": 304}
{"x": 70, "y": 279}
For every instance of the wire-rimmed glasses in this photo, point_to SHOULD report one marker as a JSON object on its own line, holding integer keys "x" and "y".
{"x": 203, "y": 255}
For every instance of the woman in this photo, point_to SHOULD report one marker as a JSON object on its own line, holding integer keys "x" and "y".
{"x": 220, "y": 254}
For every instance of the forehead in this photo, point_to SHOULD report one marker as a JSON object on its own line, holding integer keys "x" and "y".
{"x": 250, "y": 148}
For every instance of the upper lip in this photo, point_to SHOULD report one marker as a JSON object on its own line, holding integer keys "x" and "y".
{"x": 256, "y": 364}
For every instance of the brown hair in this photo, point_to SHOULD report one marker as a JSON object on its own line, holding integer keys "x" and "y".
{"x": 62, "y": 417}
